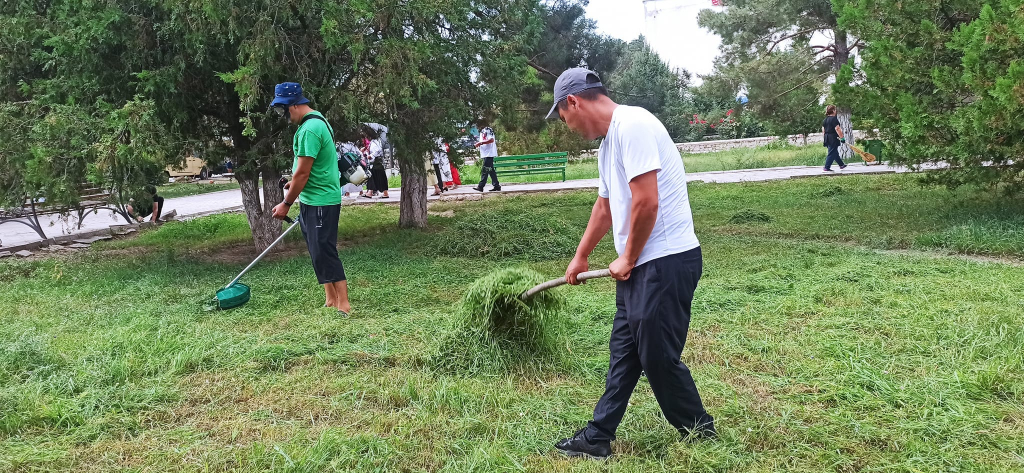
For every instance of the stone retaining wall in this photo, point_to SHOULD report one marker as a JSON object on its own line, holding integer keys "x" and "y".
{"x": 722, "y": 145}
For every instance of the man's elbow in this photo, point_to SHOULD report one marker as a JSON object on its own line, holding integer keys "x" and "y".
{"x": 646, "y": 204}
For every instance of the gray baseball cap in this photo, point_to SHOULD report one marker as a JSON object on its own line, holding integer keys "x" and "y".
{"x": 571, "y": 82}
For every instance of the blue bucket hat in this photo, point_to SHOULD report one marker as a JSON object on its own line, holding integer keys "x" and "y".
{"x": 288, "y": 93}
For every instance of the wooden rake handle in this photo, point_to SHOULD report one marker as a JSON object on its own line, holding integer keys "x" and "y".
{"x": 602, "y": 273}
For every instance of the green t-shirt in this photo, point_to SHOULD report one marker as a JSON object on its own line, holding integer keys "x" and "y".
{"x": 313, "y": 139}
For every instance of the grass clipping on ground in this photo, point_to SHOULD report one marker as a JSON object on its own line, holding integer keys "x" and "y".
{"x": 494, "y": 330}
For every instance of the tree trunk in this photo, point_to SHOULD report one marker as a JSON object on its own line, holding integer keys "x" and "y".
{"x": 413, "y": 210}
{"x": 272, "y": 192}
{"x": 265, "y": 228}
{"x": 844, "y": 113}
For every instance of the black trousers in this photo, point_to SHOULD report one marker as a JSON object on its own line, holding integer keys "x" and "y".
{"x": 488, "y": 170}
{"x": 833, "y": 156}
{"x": 440, "y": 180}
{"x": 648, "y": 335}
{"x": 320, "y": 227}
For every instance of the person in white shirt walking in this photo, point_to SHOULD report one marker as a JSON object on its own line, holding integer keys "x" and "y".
{"x": 375, "y": 156}
{"x": 488, "y": 147}
{"x": 642, "y": 198}
{"x": 442, "y": 167}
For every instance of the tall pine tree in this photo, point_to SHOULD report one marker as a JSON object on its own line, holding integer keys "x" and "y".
{"x": 755, "y": 33}
{"x": 944, "y": 81}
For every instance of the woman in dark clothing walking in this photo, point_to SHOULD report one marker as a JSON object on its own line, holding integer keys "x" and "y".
{"x": 833, "y": 138}
{"x": 378, "y": 183}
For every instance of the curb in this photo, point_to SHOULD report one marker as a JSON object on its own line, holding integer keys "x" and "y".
{"x": 708, "y": 178}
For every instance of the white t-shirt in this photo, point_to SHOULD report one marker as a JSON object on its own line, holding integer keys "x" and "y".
{"x": 376, "y": 151}
{"x": 441, "y": 160}
{"x": 488, "y": 150}
{"x": 437, "y": 152}
{"x": 637, "y": 143}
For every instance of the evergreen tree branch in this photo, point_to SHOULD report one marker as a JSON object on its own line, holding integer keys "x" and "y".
{"x": 789, "y": 36}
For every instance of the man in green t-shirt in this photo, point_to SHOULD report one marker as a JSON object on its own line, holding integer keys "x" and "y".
{"x": 316, "y": 183}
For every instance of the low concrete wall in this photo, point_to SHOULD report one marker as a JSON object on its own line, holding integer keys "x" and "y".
{"x": 722, "y": 145}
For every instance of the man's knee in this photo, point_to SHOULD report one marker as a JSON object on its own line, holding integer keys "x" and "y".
{"x": 656, "y": 361}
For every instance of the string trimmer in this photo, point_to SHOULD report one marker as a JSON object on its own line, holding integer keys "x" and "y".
{"x": 236, "y": 294}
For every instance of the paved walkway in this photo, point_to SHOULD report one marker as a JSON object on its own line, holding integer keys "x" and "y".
{"x": 16, "y": 234}
{"x": 13, "y": 235}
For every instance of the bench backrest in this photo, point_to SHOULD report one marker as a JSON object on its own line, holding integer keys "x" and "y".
{"x": 88, "y": 197}
{"x": 532, "y": 159}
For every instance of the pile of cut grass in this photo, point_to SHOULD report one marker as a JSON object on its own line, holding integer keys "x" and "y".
{"x": 495, "y": 330}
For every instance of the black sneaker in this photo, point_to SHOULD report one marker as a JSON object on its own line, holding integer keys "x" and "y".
{"x": 579, "y": 446}
{"x": 699, "y": 433}
{"x": 479, "y": 188}
{"x": 496, "y": 189}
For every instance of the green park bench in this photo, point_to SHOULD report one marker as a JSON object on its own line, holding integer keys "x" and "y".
{"x": 544, "y": 163}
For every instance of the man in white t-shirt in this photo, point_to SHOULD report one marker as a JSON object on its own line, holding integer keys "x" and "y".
{"x": 488, "y": 151}
{"x": 642, "y": 198}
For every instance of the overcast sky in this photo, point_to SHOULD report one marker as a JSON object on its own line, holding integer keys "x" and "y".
{"x": 670, "y": 26}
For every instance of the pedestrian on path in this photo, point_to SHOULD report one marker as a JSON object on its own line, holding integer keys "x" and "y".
{"x": 435, "y": 165}
{"x": 443, "y": 166}
{"x": 642, "y": 197}
{"x": 833, "y": 138}
{"x": 432, "y": 174}
{"x": 375, "y": 158}
{"x": 456, "y": 179}
{"x": 316, "y": 183}
{"x": 488, "y": 147}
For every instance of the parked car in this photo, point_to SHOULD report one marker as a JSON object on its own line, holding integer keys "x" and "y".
{"x": 193, "y": 167}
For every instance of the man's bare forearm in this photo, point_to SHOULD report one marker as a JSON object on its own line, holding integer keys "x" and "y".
{"x": 597, "y": 228}
{"x": 298, "y": 183}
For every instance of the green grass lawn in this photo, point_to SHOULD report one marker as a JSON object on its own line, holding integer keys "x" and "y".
{"x": 184, "y": 189}
{"x": 755, "y": 158}
{"x": 816, "y": 348}
{"x": 751, "y": 158}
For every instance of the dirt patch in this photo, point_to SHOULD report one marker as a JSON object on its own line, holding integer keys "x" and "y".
{"x": 12, "y": 273}
{"x": 233, "y": 410}
{"x": 228, "y": 255}
{"x": 244, "y": 253}
{"x": 701, "y": 346}
{"x": 752, "y": 386}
